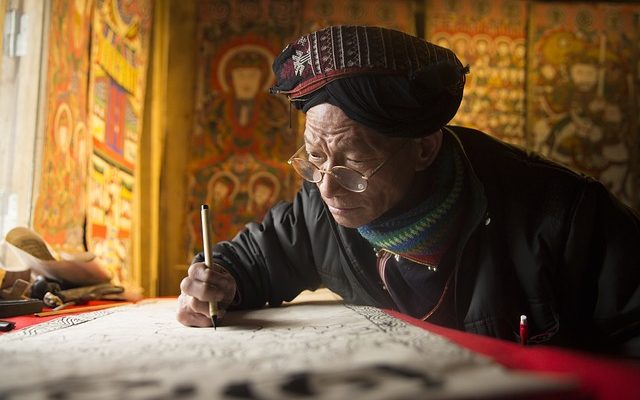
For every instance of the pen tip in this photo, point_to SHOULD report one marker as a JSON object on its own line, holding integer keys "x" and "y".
{"x": 214, "y": 320}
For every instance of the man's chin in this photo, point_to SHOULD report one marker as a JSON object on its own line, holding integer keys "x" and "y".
{"x": 348, "y": 222}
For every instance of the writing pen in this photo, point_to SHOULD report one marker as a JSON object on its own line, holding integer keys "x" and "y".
{"x": 524, "y": 330}
{"x": 204, "y": 215}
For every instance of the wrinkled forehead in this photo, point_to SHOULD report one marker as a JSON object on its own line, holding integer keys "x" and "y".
{"x": 328, "y": 125}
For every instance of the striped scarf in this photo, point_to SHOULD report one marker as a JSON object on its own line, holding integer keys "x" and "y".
{"x": 424, "y": 233}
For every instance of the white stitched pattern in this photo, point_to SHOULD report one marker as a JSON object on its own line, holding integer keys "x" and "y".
{"x": 300, "y": 60}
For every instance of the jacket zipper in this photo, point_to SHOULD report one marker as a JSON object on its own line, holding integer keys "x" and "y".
{"x": 383, "y": 255}
{"x": 430, "y": 267}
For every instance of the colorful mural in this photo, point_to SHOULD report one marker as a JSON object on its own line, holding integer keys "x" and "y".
{"x": 583, "y": 90}
{"x": 243, "y": 135}
{"x": 489, "y": 36}
{"x": 121, "y": 34}
{"x": 59, "y": 212}
{"x": 394, "y": 14}
{"x": 579, "y": 61}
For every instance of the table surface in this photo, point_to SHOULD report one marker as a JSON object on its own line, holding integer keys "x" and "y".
{"x": 599, "y": 377}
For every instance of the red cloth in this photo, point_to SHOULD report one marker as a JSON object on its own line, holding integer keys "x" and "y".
{"x": 599, "y": 377}
{"x": 24, "y": 321}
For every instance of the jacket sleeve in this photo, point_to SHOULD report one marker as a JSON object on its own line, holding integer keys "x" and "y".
{"x": 272, "y": 261}
{"x": 601, "y": 290}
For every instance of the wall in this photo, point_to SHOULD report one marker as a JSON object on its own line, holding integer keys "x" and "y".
{"x": 559, "y": 78}
{"x": 566, "y": 86}
{"x": 95, "y": 87}
{"x": 237, "y": 139}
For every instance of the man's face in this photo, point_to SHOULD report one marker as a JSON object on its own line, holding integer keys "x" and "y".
{"x": 331, "y": 139}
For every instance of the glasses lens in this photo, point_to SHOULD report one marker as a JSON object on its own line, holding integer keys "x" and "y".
{"x": 346, "y": 177}
{"x": 349, "y": 179}
{"x": 307, "y": 170}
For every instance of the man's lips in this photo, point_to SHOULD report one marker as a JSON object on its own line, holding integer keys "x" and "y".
{"x": 340, "y": 209}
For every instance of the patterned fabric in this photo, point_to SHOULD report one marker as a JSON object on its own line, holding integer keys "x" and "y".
{"x": 424, "y": 233}
{"x": 342, "y": 51}
{"x": 392, "y": 82}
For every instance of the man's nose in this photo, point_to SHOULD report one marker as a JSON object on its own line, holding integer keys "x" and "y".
{"x": 328, "y": 185}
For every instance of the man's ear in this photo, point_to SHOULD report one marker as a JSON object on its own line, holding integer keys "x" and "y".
{"x": 428, "y": 148}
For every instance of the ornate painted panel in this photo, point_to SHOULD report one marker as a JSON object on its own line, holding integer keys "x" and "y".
{"x": 59, "y": 212}
{"x": 489, "y": 36}
{"x": 119, "y": 59}
{"x": 394, "y": 14}
{"x": 583, "y": 99}
{"x": 243, "y": 135}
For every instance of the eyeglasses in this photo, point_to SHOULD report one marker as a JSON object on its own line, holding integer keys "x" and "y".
{"x": 348, "y": 178}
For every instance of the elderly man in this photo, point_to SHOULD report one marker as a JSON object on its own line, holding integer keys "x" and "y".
{"x": 446, "y": 224}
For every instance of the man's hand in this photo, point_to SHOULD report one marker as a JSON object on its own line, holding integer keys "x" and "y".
{"x": 201, "y": 286}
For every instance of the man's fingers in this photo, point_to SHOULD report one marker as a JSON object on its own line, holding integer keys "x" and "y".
{"x": 201, "y": 286}
{"x": 196, "y": 320}
{"x": 210, "y": 284}
{"x": 213, "y": 275}
{"x": 193, "y": 304}
{"x": 198, "y": 271}
{"x": 193, "y": 312}
{"x": 202, "y": 291}
{"x": 207, "y": 291}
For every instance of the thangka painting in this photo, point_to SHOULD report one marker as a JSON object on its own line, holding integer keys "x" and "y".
{"x": 393, "y": 14}
{"x": 489, "y": 36}
{"x": 583, "y": 90}
{"x": 59, "y": 212}
{"x": 119, "y": 59}
{"x": 243, "y": 135}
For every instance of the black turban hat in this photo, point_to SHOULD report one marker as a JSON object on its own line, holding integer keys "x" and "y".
{"x": 392, "y": 82}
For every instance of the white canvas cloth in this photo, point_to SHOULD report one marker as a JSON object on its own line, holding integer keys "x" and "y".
{"x": 314, "y": 350}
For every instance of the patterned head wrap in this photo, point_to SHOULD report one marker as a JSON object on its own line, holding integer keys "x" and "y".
{"x": 390, "y": 81}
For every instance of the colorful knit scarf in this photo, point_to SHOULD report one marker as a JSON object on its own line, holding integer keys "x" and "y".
{"x": 424, "y": 233}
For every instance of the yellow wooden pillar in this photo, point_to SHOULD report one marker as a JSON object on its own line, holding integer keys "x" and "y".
{"x": 145, "y": 243}
{"x": 168, "y": 120}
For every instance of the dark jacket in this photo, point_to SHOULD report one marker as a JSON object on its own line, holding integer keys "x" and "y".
{"x": 538, "y": 240}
